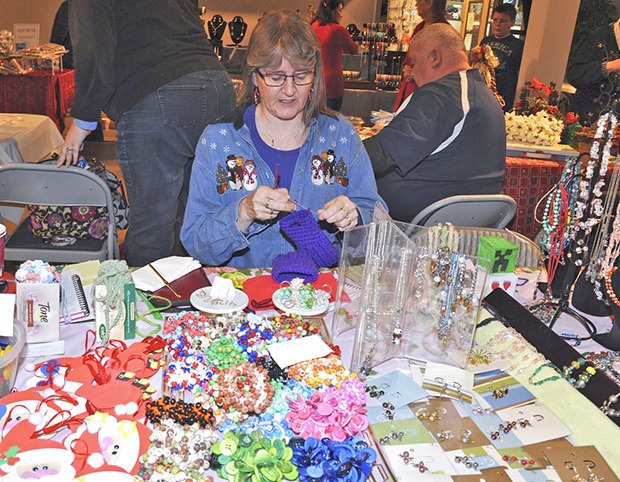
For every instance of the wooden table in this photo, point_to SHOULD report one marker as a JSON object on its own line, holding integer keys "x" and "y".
{"x": 38, "y": 92}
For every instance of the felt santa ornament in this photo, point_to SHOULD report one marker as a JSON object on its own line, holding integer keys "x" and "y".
{"x": 104, "y": 442}
{"x": 24, "y": 457}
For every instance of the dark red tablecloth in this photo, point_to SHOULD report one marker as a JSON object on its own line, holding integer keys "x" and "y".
{"x": 38, "y": 92}
{"x": 526, "y": 181}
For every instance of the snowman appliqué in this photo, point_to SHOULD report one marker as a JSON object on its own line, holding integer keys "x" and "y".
{"x": 317, "y": 175}
{"x": 249, "y": 175}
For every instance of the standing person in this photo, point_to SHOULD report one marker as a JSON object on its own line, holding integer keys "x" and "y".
{"x": 335, "y": 40}
{"x": 594, "y": 72}
{"x": 155, "y": 73}
{"x": 282, "y": 147}
{"x": 448, "y": 139}
{"x": 60, "y": 33}
{"x": 431, "y": 11}
{"x": 508, "y": 49}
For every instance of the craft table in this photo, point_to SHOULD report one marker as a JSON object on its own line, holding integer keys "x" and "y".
{"x": 27, "y": 137}
{"x": 588, "y": 424}
{"x": 38, "y": 92}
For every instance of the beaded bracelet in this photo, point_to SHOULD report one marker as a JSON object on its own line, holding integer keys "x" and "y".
{"x": 243, "y": 388}
{"x": 179, "y": 412}
{"x": 317, "y": 372}
{"x": 302, "y": 295}
{"x": 548, "y": 379}
{"x": 583, "y": 377}
{"x": 177, "y": 452}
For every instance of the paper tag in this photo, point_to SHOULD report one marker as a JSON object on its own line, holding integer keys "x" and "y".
{"x": 290, "y": 352}
{"x": 45, "y": 349}
{"x": 7, "y": 310}
{"x": 222, "y": 289}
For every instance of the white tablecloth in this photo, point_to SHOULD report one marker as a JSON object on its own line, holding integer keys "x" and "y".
{"x": 27, "y": 137}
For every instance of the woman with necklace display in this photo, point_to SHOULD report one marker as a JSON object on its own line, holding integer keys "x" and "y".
{"x": 251, "y": 172}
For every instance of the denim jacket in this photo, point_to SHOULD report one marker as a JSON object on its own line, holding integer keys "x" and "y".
{"x": 332, "y": 162}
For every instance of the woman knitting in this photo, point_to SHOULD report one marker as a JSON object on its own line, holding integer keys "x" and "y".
{"x": 281, "y": 126}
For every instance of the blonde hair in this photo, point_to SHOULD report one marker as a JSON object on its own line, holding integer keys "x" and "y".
{"x": 282, "y": 34}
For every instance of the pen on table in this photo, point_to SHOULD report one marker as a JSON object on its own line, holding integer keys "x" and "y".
{"x": 156, "y": 314}
{"x": 276, "y": 177}
{"x": 165, "y": 281}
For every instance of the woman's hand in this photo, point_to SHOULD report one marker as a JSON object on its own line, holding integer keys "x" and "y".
{"x": 264, "y": 204}
{"x": 69, "y": 152}
{"x": 341, "y": 212}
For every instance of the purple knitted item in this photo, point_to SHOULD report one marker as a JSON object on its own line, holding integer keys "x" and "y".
{"x": 298, "y": 264}
{"x": 301, "y": 227}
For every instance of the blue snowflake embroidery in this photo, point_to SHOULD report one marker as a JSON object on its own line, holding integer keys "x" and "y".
{"x": 322, "y": 140}
{"x": 223, "y": 132}
{"x": 203, "y": 141}
{"x": 238, "y": 144}
{"x": 332, "y": 128}
{"x": 213, "y": 146}
{"x": 333, "y": 144}
{"x": 343, "y": 140}
{"x": 226, "y": 149}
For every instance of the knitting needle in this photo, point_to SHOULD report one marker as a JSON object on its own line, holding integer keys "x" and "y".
{"x": 299, "y": 205}
{"x": 165, "y": 281}
{"x": 276, "y": 177}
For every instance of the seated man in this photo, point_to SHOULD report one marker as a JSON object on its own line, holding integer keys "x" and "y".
{"x": 449, "y": 138}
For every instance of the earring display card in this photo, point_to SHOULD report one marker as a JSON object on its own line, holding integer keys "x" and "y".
{"x": 580, "y": 464}
{"x": 542, "y": 424}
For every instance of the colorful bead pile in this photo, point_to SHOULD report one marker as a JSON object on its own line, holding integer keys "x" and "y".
{"x": 178, "y": 453}
{"x": 179, "y": 412}
{"x": 327, "y": 371}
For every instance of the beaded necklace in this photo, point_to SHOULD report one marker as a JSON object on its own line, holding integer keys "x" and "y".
{"x": 590, "y": 196}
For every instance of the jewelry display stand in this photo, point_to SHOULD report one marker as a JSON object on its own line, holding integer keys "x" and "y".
{"x": 599, "y": 387}
{"x": 237, "y": 29}
{"x": 216, "y": 27}
{"x": 409, "y": 293}
{"x": 591, "y": 216}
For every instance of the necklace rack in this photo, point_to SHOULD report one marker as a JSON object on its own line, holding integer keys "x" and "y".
{"x": 589, "y": 209}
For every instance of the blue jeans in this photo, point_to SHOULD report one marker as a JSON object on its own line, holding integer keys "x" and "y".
{"x": 156, "y": 143}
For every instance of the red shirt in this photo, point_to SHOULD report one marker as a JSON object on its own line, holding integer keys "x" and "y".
{"x": 408, "y": 87}
{"x": 334, "y": 40}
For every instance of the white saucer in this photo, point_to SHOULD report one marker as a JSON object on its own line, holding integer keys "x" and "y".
{"x": 315, "y": 310}
{"x": 201, "y": 300}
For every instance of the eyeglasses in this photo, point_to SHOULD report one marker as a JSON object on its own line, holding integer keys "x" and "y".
{"x": 277, "y": 80}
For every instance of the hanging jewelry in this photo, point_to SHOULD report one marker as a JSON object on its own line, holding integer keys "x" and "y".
{"x": 256, "y": 95}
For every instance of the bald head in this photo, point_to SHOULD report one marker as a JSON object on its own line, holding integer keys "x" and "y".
{"x": 436, "y": 51}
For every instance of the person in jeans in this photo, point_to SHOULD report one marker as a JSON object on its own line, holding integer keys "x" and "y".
{"x": 153, "y": 71}
{"x": 281, "y": 152}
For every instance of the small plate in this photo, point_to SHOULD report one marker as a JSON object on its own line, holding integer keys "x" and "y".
{"x": 315, "y": 310}
{"x": 201, "y": 300}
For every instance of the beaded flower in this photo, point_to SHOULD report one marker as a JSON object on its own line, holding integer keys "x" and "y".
{"x": 329, "y": 461}
{"x": 254, "y": 457}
